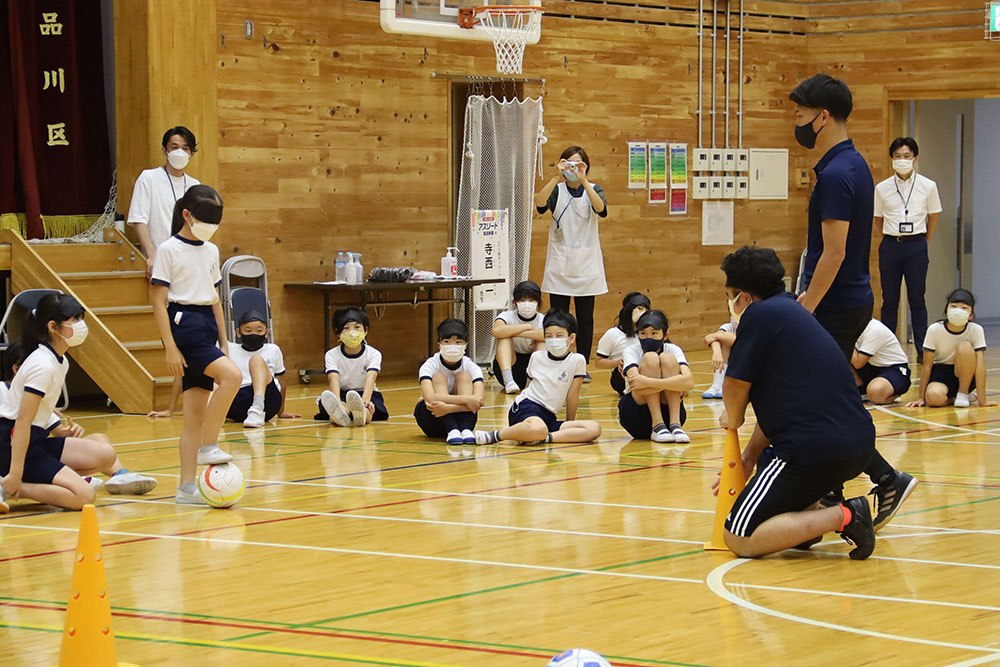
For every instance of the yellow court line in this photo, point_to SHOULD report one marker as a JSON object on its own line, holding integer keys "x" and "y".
{"x": 255, "y": 648}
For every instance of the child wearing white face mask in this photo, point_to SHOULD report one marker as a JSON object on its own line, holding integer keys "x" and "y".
{"x": 556, "y": 376}
{"x": 611, "y": 348}
{"x": 185, "y": 297}
{"x": 954, "y": 352}
{"x": 34, "y": 464}
{"x": 351, "y": 370}
{"x": 451, "y": 388}
{"x": 519, "y": 333}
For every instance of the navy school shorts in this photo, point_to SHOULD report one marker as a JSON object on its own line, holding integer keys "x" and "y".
{"x": 945, "y": 374}
{"x": 380, "y": 415}
{"x": 520, "y": 412}
{"x": 41, "y": 461}
{"x": 636, "y": 419}
{"x": 244, "y": 399}
{"x": 898, "y": 377}
{"x": 196, "y": 334}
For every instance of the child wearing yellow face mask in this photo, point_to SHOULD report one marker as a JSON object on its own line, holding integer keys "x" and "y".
{"x": 351, "y": 370}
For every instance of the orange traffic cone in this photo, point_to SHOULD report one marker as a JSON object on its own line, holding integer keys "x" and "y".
{"x": 88, "y": 639}
{"x": 731, "y": 483}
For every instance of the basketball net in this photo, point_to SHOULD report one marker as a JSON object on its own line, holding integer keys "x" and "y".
{"x": 509, "y": 26}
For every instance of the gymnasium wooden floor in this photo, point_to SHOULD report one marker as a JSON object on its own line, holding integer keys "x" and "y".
{"x": 379, "y": 547}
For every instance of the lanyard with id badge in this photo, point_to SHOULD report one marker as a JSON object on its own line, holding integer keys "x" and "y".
{"x": 905, "y": 227}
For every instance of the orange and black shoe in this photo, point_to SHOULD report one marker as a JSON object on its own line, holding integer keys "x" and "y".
{"x": 859, "y": 531}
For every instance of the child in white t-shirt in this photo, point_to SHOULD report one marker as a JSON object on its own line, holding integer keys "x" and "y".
{"x": 351, "y": 370}
{"x": 658, "y": 376}
{"x": 880, "y": 366}
{"x": 519, "y": 333}
{"x": 555, "y": 377}
{"x": 954, "y": 352}
{"x": 720, "y": 342}
{"x": 261, "y": 397}
{"x": 618, "y": 338}
{"x": 451, "y": 388}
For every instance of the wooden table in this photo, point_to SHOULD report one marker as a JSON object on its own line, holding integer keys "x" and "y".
{"x": 379, "y": 295}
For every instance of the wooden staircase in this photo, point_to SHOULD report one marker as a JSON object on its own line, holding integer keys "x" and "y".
{"x": 123, "y": 353}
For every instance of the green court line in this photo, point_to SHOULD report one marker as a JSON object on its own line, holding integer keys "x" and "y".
{"x": 946, "y": 507}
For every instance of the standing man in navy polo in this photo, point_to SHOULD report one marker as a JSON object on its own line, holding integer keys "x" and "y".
{"x": 837, "y": 276}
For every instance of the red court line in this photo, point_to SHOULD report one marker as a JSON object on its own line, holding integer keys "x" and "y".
{"x": 135, "y": 540}
{"x": 314, "y": 633}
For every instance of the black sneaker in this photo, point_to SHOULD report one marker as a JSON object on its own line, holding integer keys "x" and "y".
{"x": 889, "y": 496}
{"x": 859, "y": 532}
{"x": 832, "y": 498}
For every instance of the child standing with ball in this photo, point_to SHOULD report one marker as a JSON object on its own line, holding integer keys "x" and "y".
{"x": 185, "y": 297}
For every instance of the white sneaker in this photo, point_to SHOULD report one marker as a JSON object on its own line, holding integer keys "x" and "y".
{"x": 130, "y": 484}
{"x": 95, "y": 482}
{"x": 455, "y": 437}
{"x": 255, "y": 418}
{"x": 712, "y": 392}
{"x": 512, "y": 388}
{"x": 210, "y": 455}
{"x": 973, "y": 396}
{"x": 357, "y": 407}
{"x": 962, "y": 400}
{"x": 469, "y": 437}
{"x": 183, "y": 497}
{"x": 333, "y": 408}
{"x": 663, "y": 435}
{"x": 679, "y": 434}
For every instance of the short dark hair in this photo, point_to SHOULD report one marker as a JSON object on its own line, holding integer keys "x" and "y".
{"x": 568, "y": 153}
{"x": 452, "y": 327}
{"x": 12, "y": 356}
{"x": 654, "y": 318}
{"x": 757, "y": 271}
{"x": 342, "y": 316}
{"x": 185, "y": 133}
{"x": 961, "y": 296}
{"x": 196, "y": 194}
{"x": 56, "y": 308}
{"x": 559, "y": 318}
{"x": 899, "y": 142}
{"x": 527, "y": 289}
{"x": 631, "y": 301}
{"x": 822, "y": 91}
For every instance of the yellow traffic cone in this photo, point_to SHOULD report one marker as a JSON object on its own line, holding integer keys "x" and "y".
{"x": 731, "y": 483}
{"x": 88, "y": 640}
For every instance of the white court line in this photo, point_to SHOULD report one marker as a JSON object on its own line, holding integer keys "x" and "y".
{"x": 860, "y": 596}
{"x": 717, "y": 585}
{"x": 458, "y": 524}
{"x": 466, "y": 495}
{"x": 886, "y": 410}
{"x": 365, "y": 552}
{"x": 976, "y": 661}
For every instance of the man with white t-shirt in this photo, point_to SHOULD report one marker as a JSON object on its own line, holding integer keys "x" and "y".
{"x": 907, "y": 206}
{"x": 880, "y": 366}
{"x": 158, "y": 189}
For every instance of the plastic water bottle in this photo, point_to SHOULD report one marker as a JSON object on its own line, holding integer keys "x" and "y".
{"x": 341, "y": 268}
{"x": 359, "y": 269}
{"x": 349, "y": 269}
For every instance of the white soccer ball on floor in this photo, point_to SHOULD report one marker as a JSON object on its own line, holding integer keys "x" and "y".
{"x": 221, "y": 485}
{"x": 578, "y": 657}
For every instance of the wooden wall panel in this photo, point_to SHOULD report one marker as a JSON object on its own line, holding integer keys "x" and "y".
{"x": 334, "y": 135}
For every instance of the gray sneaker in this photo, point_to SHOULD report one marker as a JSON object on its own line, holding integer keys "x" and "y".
{"x": 183, "y": 497}
{"x": 129, "y": 484}
{"x": 333, "y": 408}
{"x": 357, "y": 407}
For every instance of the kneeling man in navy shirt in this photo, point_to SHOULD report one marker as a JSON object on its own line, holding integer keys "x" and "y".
{"x": 812, "y": 433}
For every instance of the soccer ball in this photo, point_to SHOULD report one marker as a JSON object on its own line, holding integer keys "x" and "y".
{"x": 578, "y": 657}
{"x": 221, "y": 485}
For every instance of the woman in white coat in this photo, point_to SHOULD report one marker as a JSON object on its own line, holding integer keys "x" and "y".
{"x": 574, "y": 265}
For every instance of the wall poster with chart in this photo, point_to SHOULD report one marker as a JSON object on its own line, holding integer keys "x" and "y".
{"x": 637, "y": 165}
{"x": 489, "y": 249}
{"x": 657, "y": 173}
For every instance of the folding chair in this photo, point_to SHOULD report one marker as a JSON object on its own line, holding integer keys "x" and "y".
{"x": 237, "y": 300}
{"x": 20, "y": 306}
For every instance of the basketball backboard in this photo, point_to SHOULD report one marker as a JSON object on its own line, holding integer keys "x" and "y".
{"x": 439, "y": 18}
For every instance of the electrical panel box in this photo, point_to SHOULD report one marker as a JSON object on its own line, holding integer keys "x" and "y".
{"x": 742, "y": 160}
{"x": 729, "y": 187}
{"x": 701, "y": 160}
{"x": 715, "y": 187}
{"x": 729, "y": 160}
{"x": 699, "y": 187}
{"x": 715, "y": 160}
{"x": 768, "y": 173}
{"x": 742, "y": 187}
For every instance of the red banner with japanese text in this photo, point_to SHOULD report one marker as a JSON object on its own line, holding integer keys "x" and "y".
{"x": 55, "y": 157}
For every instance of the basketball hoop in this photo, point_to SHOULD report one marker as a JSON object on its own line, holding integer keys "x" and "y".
{"x": 509, "y": 26}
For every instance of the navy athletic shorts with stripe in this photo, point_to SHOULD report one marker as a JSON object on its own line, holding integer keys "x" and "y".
{"x": 41, "y": 461}
{"x": 526, "y": 408}
{"x": 781, "y": 486}
{"x": 898, "y": 377}
{"x": 196, "y": 334}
